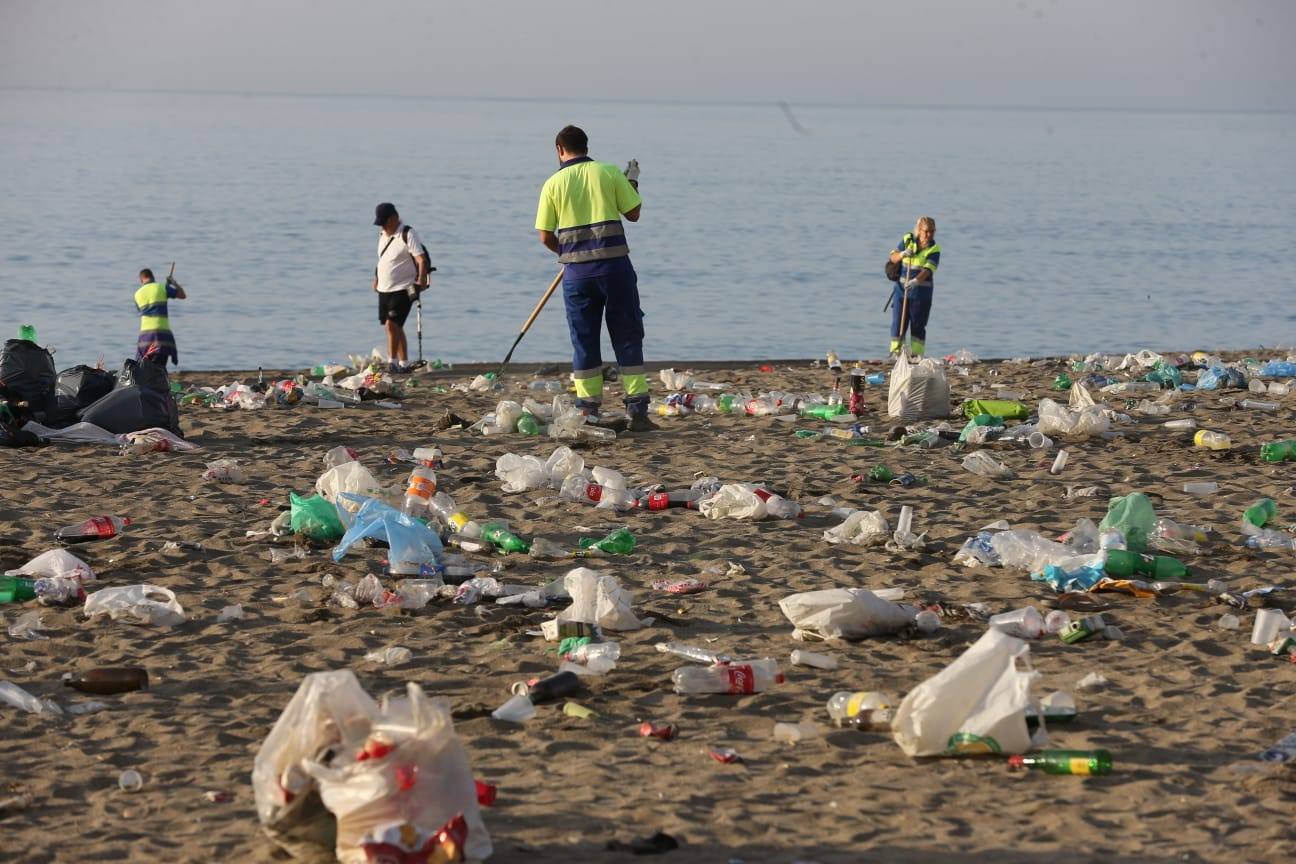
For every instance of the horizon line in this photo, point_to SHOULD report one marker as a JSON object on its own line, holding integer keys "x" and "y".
{"x": 729, "y": 102}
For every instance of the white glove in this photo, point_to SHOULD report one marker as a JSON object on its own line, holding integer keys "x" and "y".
{"x": 911, "y": 283}
{"x": 632, "y": 171}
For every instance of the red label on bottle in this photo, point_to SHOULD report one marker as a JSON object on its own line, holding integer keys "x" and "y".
{"x": 742, "y": 679}
{"x": 594, "y": 492}
{"x": 658, "y": 501}
{"x": 101, "y": 525}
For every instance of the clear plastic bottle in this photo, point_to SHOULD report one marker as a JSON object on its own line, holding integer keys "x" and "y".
{"x": 1201, "y": 487}
{"x": 813, "y": 660}
{"x": 692, "y": 652}
{"x": 1185, "y": 425}
{"x": 862, "y": 709}
{"x": 1258, "y": 405}
{"x": 1212, "y": 440}
{"x": 445, "y": 509}
{"x": 418, "y": 495}
{"x": 739, "y": 677}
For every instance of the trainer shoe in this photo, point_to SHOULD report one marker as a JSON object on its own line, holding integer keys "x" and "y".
{"x": 641, "y": 423}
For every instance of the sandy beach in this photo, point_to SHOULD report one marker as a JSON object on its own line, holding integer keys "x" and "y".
{"x": 1185, "y": 712}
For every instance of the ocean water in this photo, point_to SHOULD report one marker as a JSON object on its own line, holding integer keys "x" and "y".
{"x": 1062, "y": 231}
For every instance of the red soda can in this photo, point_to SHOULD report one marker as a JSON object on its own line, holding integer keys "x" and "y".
{"x": 664, "y": 731}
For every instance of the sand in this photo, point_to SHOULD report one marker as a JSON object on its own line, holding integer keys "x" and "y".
{"x": 1187, "y": 708}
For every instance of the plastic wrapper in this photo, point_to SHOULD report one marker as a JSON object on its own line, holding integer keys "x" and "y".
{"x": 976, "y": 705}
{"x": 55, "y": 564}
{"x": 598, "y": 598}
{"x": 734, "y": 501}
{"x": 860, "y": 528}
{"x": 136, "y": 604}
{"x": 349, "y": 477}
{"x": 845, "y": 613}
{"x": 521, "y": 473}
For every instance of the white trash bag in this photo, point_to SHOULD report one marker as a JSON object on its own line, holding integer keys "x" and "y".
{"x": 861, "y": 528}
{"x": 55, "y": 564}
{"x": 598, "y": 598}
{"x": 918, "y": 391}
{"x": 976, "y": 705}
{"x": 348, "y": 477}
{"x": 562, "y": 462}
{"x": 845, "y": 613}
{"x": 734, "y": 501}
{"x": 137, "y": 604}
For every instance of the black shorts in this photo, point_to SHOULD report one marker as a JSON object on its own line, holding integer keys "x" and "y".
{"x": 394, "y": 306}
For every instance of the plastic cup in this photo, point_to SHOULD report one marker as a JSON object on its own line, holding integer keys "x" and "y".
{"x": 810, "y": 658}
{"x": 1059, "y": 462}
{"x": 1040, "y": 441}
{"x": 1268, "y": 624}
{"x": 518, "y": 709}
{"x": 130, "y": 781}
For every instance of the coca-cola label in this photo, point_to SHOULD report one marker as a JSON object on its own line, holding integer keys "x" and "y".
{"x": 658, "y": 501}
{"x": 594, "y": 492}
{"x": 742, "y": 679}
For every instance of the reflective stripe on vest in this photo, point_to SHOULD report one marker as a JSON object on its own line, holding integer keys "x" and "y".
{"x": 595, "y": 242}
{"x": 151, "y": 300}
{"x": 916, "y": 259}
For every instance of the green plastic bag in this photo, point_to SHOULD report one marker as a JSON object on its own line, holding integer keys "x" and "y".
{"x": 1133, "y": 516}
{"x": 1004, "y": 408}
{"x": 979, "y": 420}
{"x": 1168, "y": 376}
{"x": 315, "y": 517}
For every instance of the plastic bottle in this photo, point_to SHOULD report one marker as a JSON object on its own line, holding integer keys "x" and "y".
{"x": 1185, "y": 425}
{"x": 1212, "y": 440}
{"x": 1123, "y": 564}
{"x": 503, "y": 539}
{"x": 1063, "y": 761}
{"x": 881, "y": 473}
{"x": 619, "y": 542}
{"x": 1024, "y": 623}
{"x": 692, "y": 652}
{"x": 429, "y": 457}
{"x": 57, "y": 591}
{"x": 861, "y": 709}
{"x": 1201, "y": 487}
{"x": 687, "y": 498}
{"x": 418, "y": 495}
{"x": 1278, "y": 451}
{"x": 834, "y": 362}
{"x": 15, "y": 589}
{"x": 445, "y": 509}
{"x": 1258, "y": 405}
{"x": 107, "y": 680}
{"x": 95, "y": 528}
{"x": 27, "y": 332}
{"x": 1261, "y": 513}
{"x": 813, "y": 660}
{"x": 1059, "y": 462}
{"x": 747, "y": 676}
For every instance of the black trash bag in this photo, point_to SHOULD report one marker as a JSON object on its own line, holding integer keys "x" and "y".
{"x": 85, "y": 385}
{"x": 131, "y": 409}
{"x": 27, "y": 370}
{"x": 14, "y": 415}
{"x": 144, "y": 373}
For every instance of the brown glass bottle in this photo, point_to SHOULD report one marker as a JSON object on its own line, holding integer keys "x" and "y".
{"x": 106, "y": 680}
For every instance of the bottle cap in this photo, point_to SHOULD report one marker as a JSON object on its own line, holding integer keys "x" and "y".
{"x": 1016, "y": 763}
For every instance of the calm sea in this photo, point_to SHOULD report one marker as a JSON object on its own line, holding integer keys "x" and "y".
{"x": 1062, "y": 231}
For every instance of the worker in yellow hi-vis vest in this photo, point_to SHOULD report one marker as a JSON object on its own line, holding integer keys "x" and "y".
{"x": 579, "y": 218}
{"x": 155, "y": 336}
{"x": 911, "y": 298}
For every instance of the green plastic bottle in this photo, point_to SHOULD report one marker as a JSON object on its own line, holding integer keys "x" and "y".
{"x": 503, "y": 539}
{"x": 1064, "y": 761}
{"x": 1261, "y": 512}
{"x": 1124, "y": 564}
{"x": 15, "y": 589}
{"x": 1278, "y": 451}
{"x": 1062, "y": 382}
{"x": 27, "y": 332}
{"x": 881, "y": 473}
{"x": 619, "y": 542}
{"x": 824, "y": 412}
{"x": 528, "y": 424}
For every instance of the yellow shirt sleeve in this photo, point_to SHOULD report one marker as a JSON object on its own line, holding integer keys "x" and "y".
{"x": 627, "y": 197}
{"x": 547, "y": 210}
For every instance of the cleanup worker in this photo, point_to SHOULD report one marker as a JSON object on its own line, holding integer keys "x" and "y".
{"x": 402, "y": 273}
{"x": 912, "y": 292}
{"x": 579, "y": 219}
{"x": 155, "y": 328}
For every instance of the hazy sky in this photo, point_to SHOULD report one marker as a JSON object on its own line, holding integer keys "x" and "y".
{"x": 1109, "y": 53}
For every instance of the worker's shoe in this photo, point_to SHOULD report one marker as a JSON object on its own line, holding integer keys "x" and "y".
{"x": 589, "y": 409}
{"x": 641, "y": 423}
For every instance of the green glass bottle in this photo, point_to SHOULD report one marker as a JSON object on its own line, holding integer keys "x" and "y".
{"x": 881, "y": 473}
{"x": 1064, "y": 761}
{"x": 1261, "y": 512}
{"x": 619, "y": 542}
{"x": 1123, "y": 564}
{"x": 1278, "y": 451}
{"x": 27, "y": 332}
{"x": 15, "y": 589}
{"x": 528, "y": 424}
{"x": 503, "y": 539}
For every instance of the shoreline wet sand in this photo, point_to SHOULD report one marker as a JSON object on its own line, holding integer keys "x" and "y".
{"x": 1186, "y": 711}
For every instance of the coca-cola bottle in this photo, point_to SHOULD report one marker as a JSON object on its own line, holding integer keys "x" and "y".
{"x": 746, "y": 676}
{"x": 94, "y": 528}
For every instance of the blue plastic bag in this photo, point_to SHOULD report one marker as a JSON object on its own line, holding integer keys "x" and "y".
{"x": 1076, "y": 579}
{"x": 1220, "y": 376}
{"x": 411, "y": 544}
{"x": 1278, "y": 369}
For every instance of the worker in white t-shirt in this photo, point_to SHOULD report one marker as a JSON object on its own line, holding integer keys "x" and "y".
{"x": 402, "y": 272}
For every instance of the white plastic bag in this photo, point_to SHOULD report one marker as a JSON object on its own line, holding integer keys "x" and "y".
{"x": 982, "y": 463}
{"x": 562, "y": 462}
{"x": 225, "y": 471}
{"x": 348, "y": 477}
{"x": 1086, "y": 422}
{"x": 54, "y": 564}
{"x": 397, "y": 802}
{"x": 845, "y": 613}
{"x": 975, "y": 705}
{"x": 861, "y": 528}
{"x": 733, "y": 501}
{"x": 598, "y": 598}
{"x": 918, "y": 391}
{"x": 137, "y": 604}
{"x": 521, "y": 473}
